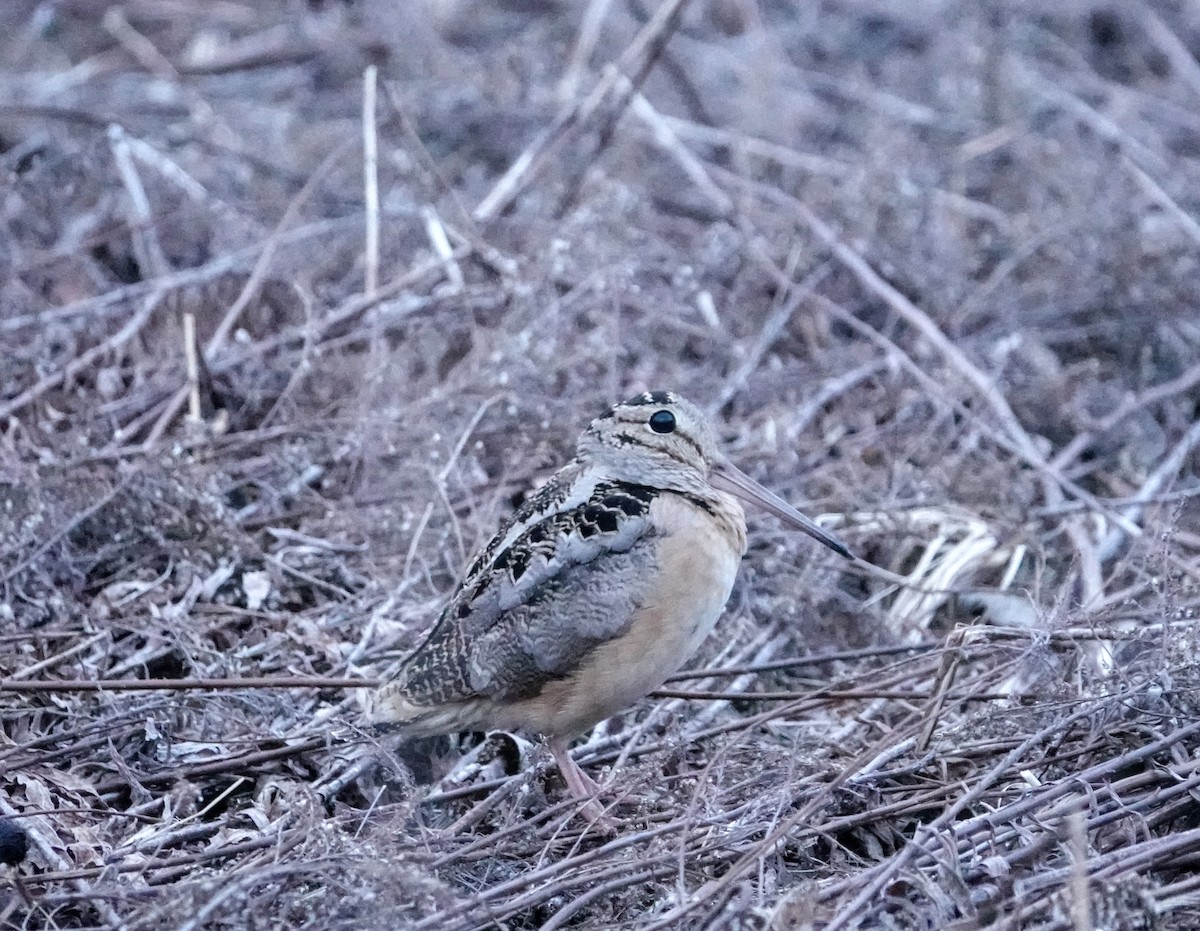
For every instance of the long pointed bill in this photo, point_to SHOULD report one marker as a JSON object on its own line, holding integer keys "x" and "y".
{"x": 727, "y": 477}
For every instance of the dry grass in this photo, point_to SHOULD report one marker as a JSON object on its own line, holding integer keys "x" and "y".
{"x": 935, "y": 271}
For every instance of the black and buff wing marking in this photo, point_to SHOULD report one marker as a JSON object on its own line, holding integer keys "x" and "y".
{"x": 529, "y": 611}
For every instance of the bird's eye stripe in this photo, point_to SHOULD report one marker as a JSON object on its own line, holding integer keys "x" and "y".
{"x": 692, "y": 443}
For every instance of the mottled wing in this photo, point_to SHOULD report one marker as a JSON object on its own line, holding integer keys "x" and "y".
{"x": 533, "y": 610}
{"x": 551, "y": 498}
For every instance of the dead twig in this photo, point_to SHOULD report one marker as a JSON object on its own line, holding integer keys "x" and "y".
{"x": 186, "y": 685}
{"x": 86, "y": 360}
{"x": 634, "y": 63}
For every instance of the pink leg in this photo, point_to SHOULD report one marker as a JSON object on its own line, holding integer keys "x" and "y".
{"x": 579, "y": 784}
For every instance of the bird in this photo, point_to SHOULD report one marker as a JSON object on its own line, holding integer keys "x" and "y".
{"x": 601, "y": 584}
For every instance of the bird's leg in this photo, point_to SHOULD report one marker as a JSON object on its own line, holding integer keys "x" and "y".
{"x": 579, "y": 784}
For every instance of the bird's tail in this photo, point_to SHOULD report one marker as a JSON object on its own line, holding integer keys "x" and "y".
{"x": 390, "y": 708}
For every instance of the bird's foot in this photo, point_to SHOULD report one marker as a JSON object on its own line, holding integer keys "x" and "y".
{"x": 583, "y": 787}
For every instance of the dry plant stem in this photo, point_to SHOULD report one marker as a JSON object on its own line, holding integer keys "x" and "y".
{"x": 250, "y": 288}
{"x": 744, "y": 145}
{"x": 951, "y": 659}
{"x": 51, "y": 661}
{"x": 113, "y": 345}
{"x": 1018, "y": 439}
{"x": 759, "y": 650}
{"x": 1106, "y": 128}
{"x": 1176, "y": 386}
{"x": 923, "y": 324}
{"x": 752, "y": 856}
{"x": 273, "y": 241}
{"x": 441, "y": 246}
{"x": 112, "y": 302}
{"x": 1183, "y": 60}
{"x": 604, "y": 890}
{"x": 171, "y": 867}
{"x": 370, "y": 132}
{"x": 636, "y": 60}
{"x": 669, "y": 141}
{"x": 1080, "y": 904}
{"x": 1127, "y": 861}
{"x": 890, "y": 105}
{"x": 148, "y": 55}
{"x": 145, "y": 240}
{"x": 986, "y": 388}
{"x": 74, "y": 740}
{"x": 465, "y": 436}
{"x": 481, "y": 810}
{"x": 863, "y": 762}
{"x": 173, "y": 685}
{"x": 978, "y": 301}
{"x": 772, "y": 328}
{"x": 1086, "y": 497}
{"x": 482, "y": 847}
{"x": 1091, "y": 576}
{"x": 241, "y": 886}
{"x": 832, "y": 390}
{"x": 1106, "y": 802}
{"x": 192, "y": 358}
{"x": 35, "y": 831}
{"x": 75, "y": 521}
{"x": 147, "y": 154}
{"x": 938, "y": 695}
{"x": 537, "y": 879}
{"x": 585, "y": 43}
{"x": 437, "y": 180}
{"x": 815, "y": 659}
{"x": 1156, "y": 192}
{"x": 1164, "y": 472}
{"x": 336, "y": 781}
{"x": 314, "y": 334}
{"x": 230, "y": 764}
{"x": 928, "y": 835}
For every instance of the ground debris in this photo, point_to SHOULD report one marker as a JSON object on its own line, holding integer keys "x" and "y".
{"x": 936, "y": 271}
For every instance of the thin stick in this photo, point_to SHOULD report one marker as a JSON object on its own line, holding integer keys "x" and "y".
{"x": 1080, "y": 905}
{"x": 249, "y": 289}
{"x": 1182, "y": 58}
{"x": 72, "y": 524}
{"x": 37, "y": 830}
{"x": 830, "y": 695}
{"x": 465, "y": 435}
{"x": 112, "y": 302}
{"x": 436, "y": 232}
{"x": 1129, "y": 406}
{"x": 155, "y": 685}
{"x": 191, "y": 355}
{"x": 149, "y": 57}
{"x": 771, "y": 330}
{"x": 146, "y": 246}
{"x": 585, "y": 44}
{"x": 371, "y": 179}
{"x": 637, "y": 59}
{"x": 813, "y": 660}
{"x": 1165, "y": 471}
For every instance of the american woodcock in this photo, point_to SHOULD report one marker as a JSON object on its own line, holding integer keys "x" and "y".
{"x": 599, "y": 587}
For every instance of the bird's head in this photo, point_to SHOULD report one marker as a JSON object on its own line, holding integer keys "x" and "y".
{"x": 662, "y": 440}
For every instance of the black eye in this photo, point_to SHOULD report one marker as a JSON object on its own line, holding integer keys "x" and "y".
{"x": 662, "y": 422}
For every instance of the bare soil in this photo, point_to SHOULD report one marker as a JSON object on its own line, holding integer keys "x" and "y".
{"x": 934, "y": 268}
